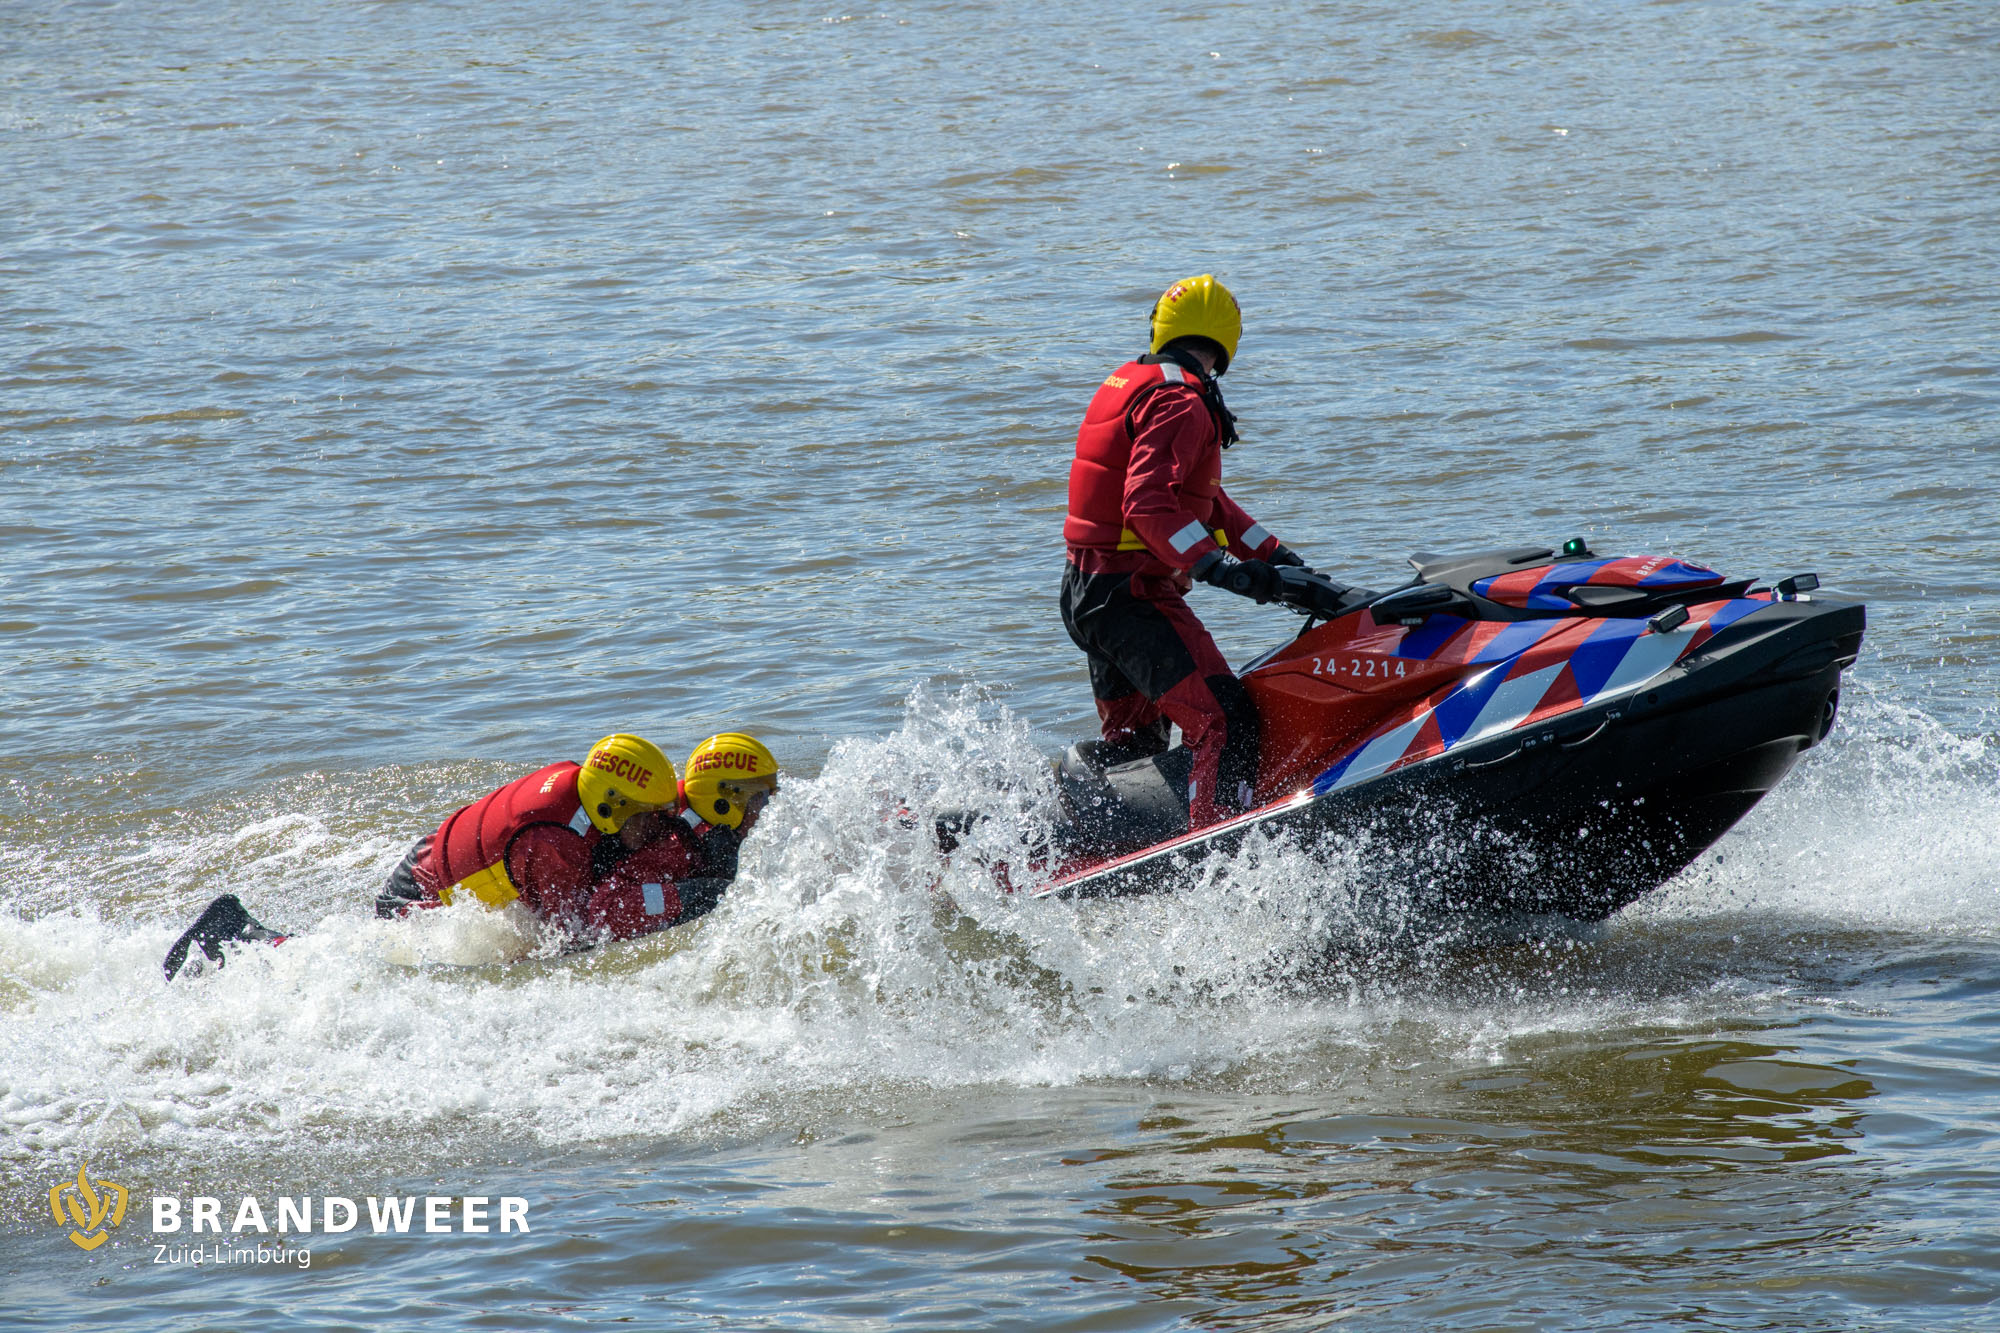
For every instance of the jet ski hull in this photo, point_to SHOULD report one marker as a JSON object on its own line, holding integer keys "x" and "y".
{"x": 1577, "y": 814}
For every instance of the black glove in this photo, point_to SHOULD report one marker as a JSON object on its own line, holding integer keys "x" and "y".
{"x": 718, "y": 847}
{"x": 701, "y": 893}
{"x": 1254, "y": 579}
{"x": 699, "y": 897}
{"x": 224, "y": 921}
{"x": 1285, "y": 555}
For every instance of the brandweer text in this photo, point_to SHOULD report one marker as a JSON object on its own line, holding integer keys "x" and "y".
{"x": 473, "y": 1214}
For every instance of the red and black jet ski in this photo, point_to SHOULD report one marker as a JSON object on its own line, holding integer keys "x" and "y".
{"x": 1599, "y": 721}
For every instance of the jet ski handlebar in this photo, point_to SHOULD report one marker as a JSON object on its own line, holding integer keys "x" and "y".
{"x": 1314, "y": 594}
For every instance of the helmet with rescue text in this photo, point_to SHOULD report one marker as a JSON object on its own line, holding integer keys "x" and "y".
{"x": 729, "y": 778}
{"x": 624, "y": 775}
{"x": 1201, "y": 309}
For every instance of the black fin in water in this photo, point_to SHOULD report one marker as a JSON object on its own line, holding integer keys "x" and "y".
{"x": 222, "y": 921}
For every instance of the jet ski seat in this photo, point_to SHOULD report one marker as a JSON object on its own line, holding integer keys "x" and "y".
{"x": 1125, "y": 806}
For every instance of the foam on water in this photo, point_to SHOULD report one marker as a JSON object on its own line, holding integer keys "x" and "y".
{"x": 1894, "y": 823}
{"x": 848, "y": 964}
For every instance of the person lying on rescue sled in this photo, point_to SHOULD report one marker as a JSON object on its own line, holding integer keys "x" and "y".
{"x": 1147, "y": 518}
{"x": 612, "y": 848}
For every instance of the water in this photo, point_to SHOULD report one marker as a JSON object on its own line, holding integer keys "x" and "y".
{"x": 395, "y": 398}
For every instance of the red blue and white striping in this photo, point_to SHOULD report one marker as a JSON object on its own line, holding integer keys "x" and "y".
{"x": 1542, "y": 588}
{"x": 1534, "y": 670}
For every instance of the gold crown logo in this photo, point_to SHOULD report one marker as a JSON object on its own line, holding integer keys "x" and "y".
{"x": 94, "y": 1209}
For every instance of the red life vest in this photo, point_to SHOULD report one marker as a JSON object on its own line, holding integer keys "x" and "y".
{"x": 469, "y": 852}
{"x": 1104, "y": 451}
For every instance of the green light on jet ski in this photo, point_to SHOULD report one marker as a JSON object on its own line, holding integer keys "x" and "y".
{"x": 1576, "y": 546}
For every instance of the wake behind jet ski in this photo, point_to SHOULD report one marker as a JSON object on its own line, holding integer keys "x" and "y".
{"x": 1566, "y": 731}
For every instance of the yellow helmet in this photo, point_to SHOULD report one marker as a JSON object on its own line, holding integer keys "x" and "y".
{"x": 723, "y": 775}
{"x": 621, "y": 776}
{"x": 1198, "y": 307}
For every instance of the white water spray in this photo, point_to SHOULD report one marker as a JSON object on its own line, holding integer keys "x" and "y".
{"x": 848, "y": 962}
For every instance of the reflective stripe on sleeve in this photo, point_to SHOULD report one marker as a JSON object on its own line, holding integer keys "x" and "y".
{"x": 579, "y": 823}
{"x": 1173, "y": 373}
{"x": 690, "y": 818}
{"x": 656, "y": 899}
{"x": 1255, "y": 536}
{"x": 1185, "y": 540}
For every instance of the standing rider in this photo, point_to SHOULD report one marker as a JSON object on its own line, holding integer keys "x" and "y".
{"x": 611, "y": 848}
{"x": 1147, "y": 517}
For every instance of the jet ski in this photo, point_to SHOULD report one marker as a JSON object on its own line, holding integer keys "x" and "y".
{"x": 1558, "y": 733}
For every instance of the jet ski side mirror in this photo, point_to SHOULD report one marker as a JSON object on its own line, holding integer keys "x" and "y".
{"x": 1668, "y": 620}
{"x": 1413, "y": 602}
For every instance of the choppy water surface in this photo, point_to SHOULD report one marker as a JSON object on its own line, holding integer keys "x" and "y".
{"x": 395, "y": 397}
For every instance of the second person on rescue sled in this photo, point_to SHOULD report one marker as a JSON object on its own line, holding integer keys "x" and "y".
{"x": 1147, "y": 518}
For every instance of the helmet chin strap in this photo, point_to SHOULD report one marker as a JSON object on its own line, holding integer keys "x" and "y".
{"x": 1205, "y": 384}
{"x": 1183, "y": 358}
